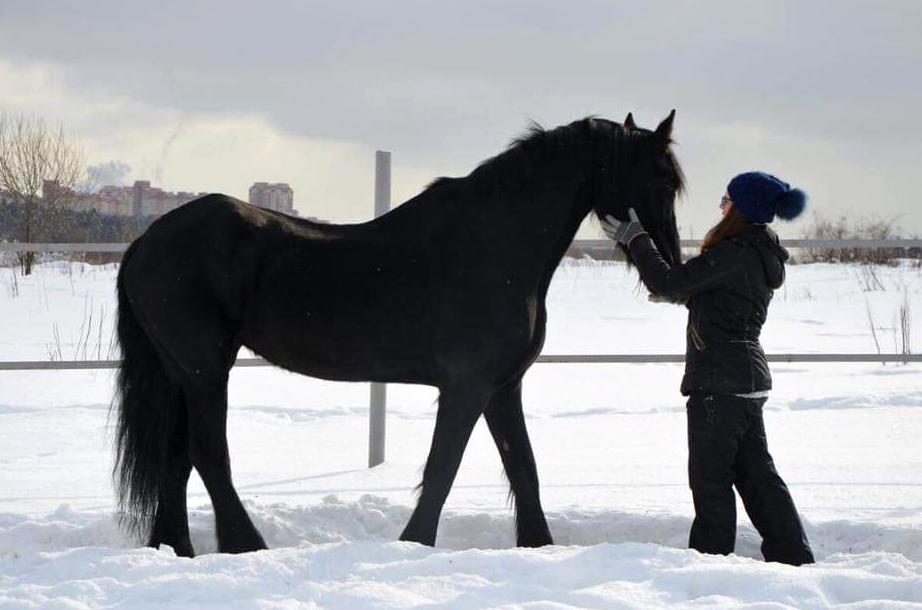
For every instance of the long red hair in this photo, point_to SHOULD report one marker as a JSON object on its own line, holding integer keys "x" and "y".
{"x": 733, "y": 223}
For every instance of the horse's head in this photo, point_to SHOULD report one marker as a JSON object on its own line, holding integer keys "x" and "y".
{"x": 638, "y": 170}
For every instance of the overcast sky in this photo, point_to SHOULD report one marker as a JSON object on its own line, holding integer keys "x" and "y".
{"x": 214, "y": 95}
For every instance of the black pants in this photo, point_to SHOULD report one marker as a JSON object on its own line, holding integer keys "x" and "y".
{"x": 727, "y": 447}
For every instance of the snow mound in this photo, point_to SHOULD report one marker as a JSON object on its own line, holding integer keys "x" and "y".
{"x": 354, "y": 575}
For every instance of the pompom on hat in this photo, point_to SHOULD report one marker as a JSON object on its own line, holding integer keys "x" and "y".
{"x": 760, "y": 197}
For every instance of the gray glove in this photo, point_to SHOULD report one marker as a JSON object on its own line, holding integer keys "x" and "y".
{"x": 623, "y": 232}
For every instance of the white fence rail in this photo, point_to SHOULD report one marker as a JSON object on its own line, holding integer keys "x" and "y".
{"x": 55, "y": 365}
{"x": 819, "y": 244}
{"x": 378, "y": 397}
{"x": 45, "y": 247}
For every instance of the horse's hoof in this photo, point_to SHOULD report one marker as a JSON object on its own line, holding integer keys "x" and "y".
{"x": 424, "y": 540}
{"x": 533, "y": 544}
{"x": 242, "y": 544}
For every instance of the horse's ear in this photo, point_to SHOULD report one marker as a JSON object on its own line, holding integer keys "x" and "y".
{"x": 629, "y": 124}
{"x": 663, "y": 134}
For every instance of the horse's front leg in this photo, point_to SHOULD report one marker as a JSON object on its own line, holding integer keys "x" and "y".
{"x": 459, "y": 409}
{"x": 507, "y": 425}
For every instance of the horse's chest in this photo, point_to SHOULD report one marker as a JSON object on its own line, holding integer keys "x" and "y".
{"x": 524, "y": 328}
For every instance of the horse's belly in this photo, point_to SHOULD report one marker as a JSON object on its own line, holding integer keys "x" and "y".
{"x": 345, "y": 343}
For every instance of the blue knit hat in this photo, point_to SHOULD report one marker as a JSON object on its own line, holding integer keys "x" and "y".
{"x": 760, "y": 196}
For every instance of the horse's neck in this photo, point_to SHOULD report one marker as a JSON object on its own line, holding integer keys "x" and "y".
{"x": 549, "y": 212}
{"x": 550, "y": 251}
{"x": 537, "y": 216}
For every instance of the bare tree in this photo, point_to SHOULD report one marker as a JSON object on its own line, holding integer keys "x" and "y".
{"x": 40, "y": 167}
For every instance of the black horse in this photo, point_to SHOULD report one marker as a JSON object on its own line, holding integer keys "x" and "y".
{"x": 446, "y": 290}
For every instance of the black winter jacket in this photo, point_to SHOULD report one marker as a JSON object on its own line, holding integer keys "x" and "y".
{"x": 727, "y": 290}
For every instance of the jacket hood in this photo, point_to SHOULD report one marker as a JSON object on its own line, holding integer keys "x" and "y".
{"x": 771, "y": 252}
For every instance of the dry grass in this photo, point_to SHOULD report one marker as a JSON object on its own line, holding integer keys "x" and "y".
{"x": 842, "y": 228}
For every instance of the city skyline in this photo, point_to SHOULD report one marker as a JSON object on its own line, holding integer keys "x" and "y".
{"x": 144, "y": 199}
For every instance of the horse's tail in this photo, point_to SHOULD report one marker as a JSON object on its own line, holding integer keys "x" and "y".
{"x": 149, "y": 406}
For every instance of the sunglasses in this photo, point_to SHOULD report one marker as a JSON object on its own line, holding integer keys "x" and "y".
{"x": 725, "y": 201}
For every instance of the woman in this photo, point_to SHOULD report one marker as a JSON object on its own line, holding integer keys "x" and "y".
{"x": 727, "y": 289}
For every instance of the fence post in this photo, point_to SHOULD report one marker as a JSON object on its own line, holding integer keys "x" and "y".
{"x": 378, "y": 401}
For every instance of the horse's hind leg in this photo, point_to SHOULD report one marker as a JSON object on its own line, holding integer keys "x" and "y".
{"x": 171, "y": 523}
{"x": 206, "y": 401}
{"x": 185, "y": 315}
{"x": 507, "y": 425}
{"x": 459, "y": 409}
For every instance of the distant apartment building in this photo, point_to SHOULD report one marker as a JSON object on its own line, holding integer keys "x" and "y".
{"x": 142, "y": 199}
{"x": 278, "y": 197}
{"x": 139, "y": 199}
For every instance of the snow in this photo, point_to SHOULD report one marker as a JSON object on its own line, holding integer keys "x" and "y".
{"x": 609, "y": 441}
{"x": 397, "y": 575}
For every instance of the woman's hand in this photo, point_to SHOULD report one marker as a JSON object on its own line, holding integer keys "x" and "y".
{"x": 623, "y": 232}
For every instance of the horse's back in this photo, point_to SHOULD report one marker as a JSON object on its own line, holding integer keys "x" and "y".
{"x": 192, "y": 270}
{"x": 216, "y": 233}
{"x": 192, "y": 239}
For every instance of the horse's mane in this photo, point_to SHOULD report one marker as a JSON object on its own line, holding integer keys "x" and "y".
{"x": 517, "y": 163}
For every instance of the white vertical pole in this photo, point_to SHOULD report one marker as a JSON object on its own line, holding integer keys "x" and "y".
{"x": 378, "y": 402}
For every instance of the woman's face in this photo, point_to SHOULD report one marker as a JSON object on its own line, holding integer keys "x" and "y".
{"x": 725, "y": 204}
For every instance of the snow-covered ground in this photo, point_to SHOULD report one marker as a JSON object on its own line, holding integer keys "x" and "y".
{"x": 609, "y": 440}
